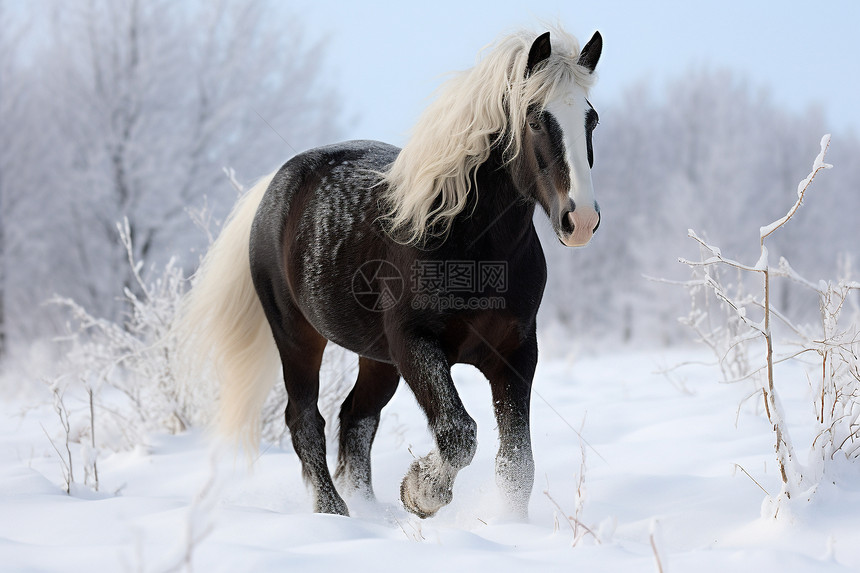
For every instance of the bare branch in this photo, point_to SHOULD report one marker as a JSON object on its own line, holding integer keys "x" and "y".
{"x": 817, "y": 166}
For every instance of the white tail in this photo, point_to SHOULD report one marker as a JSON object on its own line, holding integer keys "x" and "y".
{"x": 221, "y": 320}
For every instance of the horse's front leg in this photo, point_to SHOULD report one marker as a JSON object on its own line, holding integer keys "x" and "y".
{"x": 428, "y": 484}
{"x": 510, "y": 379}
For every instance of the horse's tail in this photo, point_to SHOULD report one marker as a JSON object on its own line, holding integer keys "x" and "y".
{"x": 222, "y": 324}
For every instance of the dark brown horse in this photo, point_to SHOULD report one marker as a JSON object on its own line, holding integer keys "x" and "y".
{"x": 415, "y": 259}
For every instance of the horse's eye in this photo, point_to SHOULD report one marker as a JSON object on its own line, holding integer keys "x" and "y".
{"x": 535, "y": 125}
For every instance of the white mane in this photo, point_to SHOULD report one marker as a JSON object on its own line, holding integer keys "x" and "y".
{"x": 430, "y": 182}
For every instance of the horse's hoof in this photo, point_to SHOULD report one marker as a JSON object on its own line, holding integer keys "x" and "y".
{"x": 410, "y": 505}
{"x": 423, "y": 493}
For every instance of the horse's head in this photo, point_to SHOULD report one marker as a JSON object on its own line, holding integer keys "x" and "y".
{"x": 554, "y": 165}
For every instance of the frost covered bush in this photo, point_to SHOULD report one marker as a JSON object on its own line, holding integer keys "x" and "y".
{"x": 128, "y": 365}
{"x": 834, "y": 342}
{"x": 837, "y": 346}
{"x": 717, "y": 324}
{"x": 124, "y": 380}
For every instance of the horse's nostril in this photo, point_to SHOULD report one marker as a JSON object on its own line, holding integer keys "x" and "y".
{"x": 567, "y": 223}
{"x": 598, "y": 223}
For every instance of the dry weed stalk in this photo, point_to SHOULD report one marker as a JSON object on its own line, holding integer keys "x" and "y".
{"x": 653, "y": 537}
{"x": 66, "y": 463}
{"x": 575, "y": 521}
{"x": 838, "y": 398}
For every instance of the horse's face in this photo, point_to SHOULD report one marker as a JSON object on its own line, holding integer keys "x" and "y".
{"x": 557, "y": 158}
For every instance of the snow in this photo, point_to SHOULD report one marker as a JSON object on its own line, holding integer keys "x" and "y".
{"x": 662, "y": 471}
{"x": 763, "y": 261}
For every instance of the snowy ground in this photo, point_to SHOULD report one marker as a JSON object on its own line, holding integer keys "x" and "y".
{"x": 660, "y": 458}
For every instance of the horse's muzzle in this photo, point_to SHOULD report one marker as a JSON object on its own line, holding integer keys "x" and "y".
{"x": 578, "y": 226}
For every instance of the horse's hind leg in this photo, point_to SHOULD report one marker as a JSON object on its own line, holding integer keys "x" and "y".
{"x": 359, "y": 419}
{"x": 301, "y": 348}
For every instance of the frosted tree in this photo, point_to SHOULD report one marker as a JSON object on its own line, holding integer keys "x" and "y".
{"x": 5, "y": 51}
{"x": 11, "y": 102}
{"x": 155, "y": 98}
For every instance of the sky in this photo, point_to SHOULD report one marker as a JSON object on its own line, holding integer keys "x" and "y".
{"x": 387, "y": 58}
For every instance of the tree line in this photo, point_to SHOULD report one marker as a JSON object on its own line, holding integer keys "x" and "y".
{"x": 113, "y": 109}
{"x": 709, "y": 151}
{"x": 131, "y": 109}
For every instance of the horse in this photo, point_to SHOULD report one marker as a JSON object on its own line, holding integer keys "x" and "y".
{"x": 414, "y": 259}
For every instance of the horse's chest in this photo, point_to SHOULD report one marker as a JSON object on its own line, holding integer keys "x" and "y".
{"x": 474, "y": 337}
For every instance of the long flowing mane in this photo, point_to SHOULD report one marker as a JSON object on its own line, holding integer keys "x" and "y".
{"x": 475, "y": 111}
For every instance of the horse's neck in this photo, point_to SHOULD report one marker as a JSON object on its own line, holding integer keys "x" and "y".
{"x": 499, "y": 218}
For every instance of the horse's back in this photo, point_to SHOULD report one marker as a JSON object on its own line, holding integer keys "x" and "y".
{"x": 342, "y": 167}
{"x": 317, "y": 223}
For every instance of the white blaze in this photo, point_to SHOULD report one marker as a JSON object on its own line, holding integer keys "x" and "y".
{"x": 570, "y": 110}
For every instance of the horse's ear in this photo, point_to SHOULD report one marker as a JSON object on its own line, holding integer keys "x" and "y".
{"x": 540, "y": 50}
{"x": 591, "y": 52}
